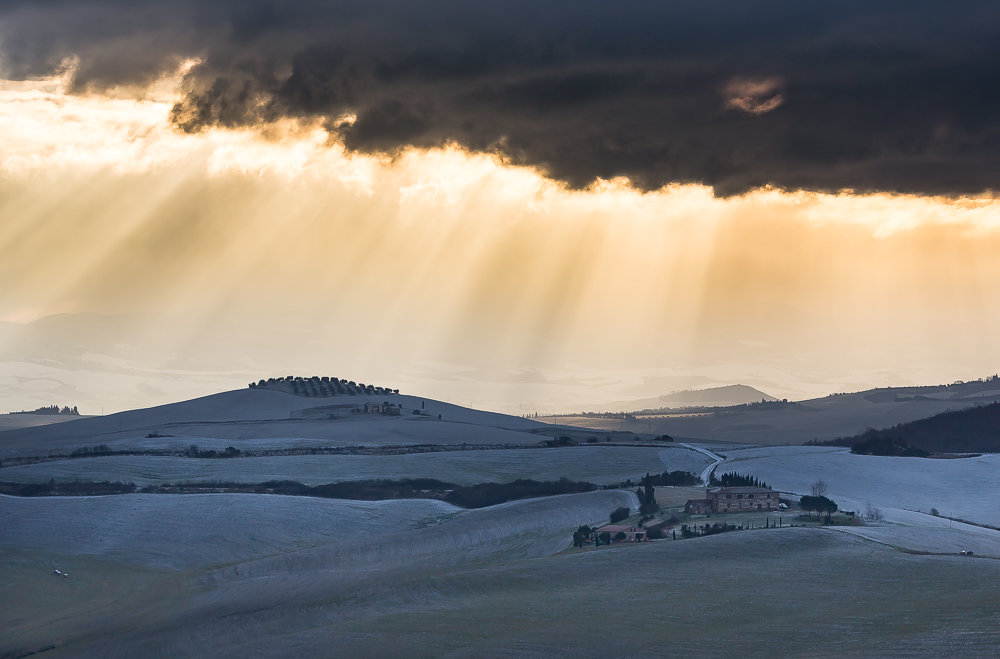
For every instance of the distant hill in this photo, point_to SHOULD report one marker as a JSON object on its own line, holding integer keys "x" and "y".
{"x": 976, "y": 429}
{"x": 820, "y": 419}
{"x": 267, "y": 412}
{"x": 733, "y": 394}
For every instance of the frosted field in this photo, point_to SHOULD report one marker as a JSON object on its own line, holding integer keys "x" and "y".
{"x": 255, "y": 414}
{"x": 822, "y": 418}
{"x": 797, "y": 592}
{"x": 371, "y": 431}
{"x": 18, "y": 421}
{"x": 597, "y": 464}
{"x": 264, "y": 575}
{"x": 966, "y": 488}
{"x": 200, "y": 530}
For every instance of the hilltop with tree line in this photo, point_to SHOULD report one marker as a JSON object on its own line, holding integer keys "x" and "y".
{"x": 321, "y": 387}
{"x": 51, "y": 409}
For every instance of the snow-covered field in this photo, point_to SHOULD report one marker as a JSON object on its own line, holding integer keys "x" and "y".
{"x": 264, "y": 575}
{"x": 821, "y": 418}
{"x": 19, "y": 421}
{"x": 789, "y": 592}
{"x": 262, "y": 414}
{"x": 598, "y": 464}
{"x": 202, "y": 530}
{"x": 966, "y": 488}
{"x": 199, "y": 529}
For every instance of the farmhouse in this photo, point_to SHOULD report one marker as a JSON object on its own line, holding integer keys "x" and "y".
{"x": 733, "y": 500}
{"x": 631, "y": 533}
{"x": 698, "y": 506}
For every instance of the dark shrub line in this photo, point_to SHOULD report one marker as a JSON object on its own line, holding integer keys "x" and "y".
{"x": 973, "y": 429}
{"x": 472, "y": 496}
{"x": 667, "y": 478}
{"x": 102, "y": 450}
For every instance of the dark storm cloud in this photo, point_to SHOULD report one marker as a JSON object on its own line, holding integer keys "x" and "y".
{"x": 898, "y": 96}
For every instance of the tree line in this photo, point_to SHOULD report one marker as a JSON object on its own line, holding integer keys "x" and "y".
{"x": 733, "y": 479}
{"x": 321, "y": 386}
{"x": 465, "y": 496}
{"x": 51, "y": 409}
{"x": 974, "y": 429}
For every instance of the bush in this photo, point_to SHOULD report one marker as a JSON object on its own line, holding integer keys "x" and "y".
{"x": 648, "y": 508}
{"x": 581, "y": 535}
{"x": 562, "y": 441}
{"x": 887, "y": 446}
{"x": 820, "y": 505}
{"x": 676, "y": 478}
{"x": 619, "y": 514}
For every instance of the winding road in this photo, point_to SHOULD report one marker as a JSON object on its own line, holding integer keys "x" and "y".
{"x": 707, "y": 471}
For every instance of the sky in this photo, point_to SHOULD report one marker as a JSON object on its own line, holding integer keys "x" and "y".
{"x": 517, "y": 206}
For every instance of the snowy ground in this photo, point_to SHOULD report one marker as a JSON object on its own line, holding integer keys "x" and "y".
{"x": 199, "y": 529}
{"x": 964, "y": 488}
{"x": 789, "y": 592}
{"x": 205, "y": 530}
{"x": 260, "y": 575}
{"x": 597, "y": 464}
{"x": 18, "y": 421}
{"x": 257, "y": 413}
{"x": 821, "y": 418}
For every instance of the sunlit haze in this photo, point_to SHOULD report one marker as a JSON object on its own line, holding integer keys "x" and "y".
{"x": 142, "y": 264}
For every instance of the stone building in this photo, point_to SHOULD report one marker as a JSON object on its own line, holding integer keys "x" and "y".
{"x": 631, "y": 533}
{"x": 733, "y": 500}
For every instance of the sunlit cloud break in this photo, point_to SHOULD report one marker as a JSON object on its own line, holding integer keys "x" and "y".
{"x": 462, "y": 257}
{"x": 754, "y": 96}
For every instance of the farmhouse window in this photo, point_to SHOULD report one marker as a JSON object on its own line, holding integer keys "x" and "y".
{"x": 739, "y": 496}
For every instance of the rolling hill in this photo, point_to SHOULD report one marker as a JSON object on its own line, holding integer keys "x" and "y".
{"x": 267, "y": 575}
{"x": 976, "y": 429}
{"x": 827, "y": 418}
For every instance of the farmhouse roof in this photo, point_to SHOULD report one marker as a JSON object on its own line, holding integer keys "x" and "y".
{"x": 741, "y": 490}
{"x": 615, "y": 528}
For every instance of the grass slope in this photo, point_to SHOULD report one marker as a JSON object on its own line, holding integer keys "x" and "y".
{"x": 799, "y": 592}
{"x": 822, "y": 418}
{"x": 598, "y": 464}
{"x": 976, "y": 429}
{"x": 263, "y": 413}
{"x": 964, "y": 488}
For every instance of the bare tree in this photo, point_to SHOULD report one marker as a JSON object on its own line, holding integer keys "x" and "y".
{"x": 819, "y": 488}
{"x": 872, "y": 513}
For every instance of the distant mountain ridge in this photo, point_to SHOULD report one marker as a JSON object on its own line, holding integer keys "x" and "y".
{"x": 832, "y": 417}
{"x": 733, "y": 394}
{"x": 725, "y": 396}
